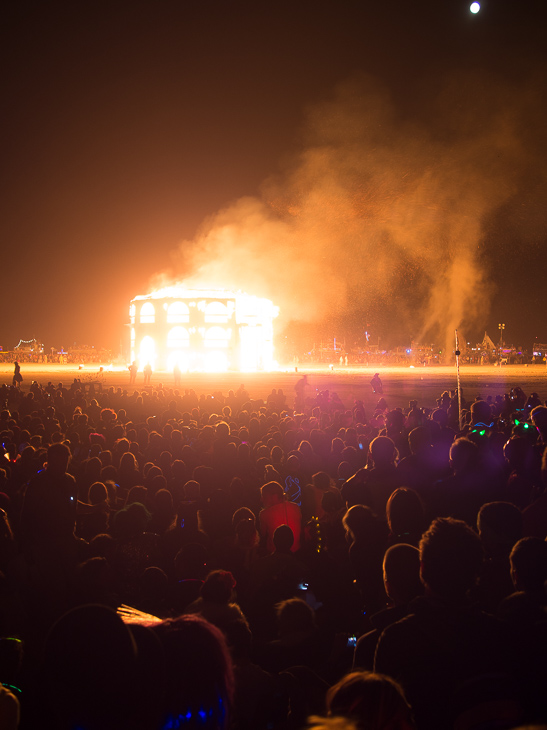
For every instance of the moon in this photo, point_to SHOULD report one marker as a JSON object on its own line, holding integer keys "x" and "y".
{"x": 474, "y": 8}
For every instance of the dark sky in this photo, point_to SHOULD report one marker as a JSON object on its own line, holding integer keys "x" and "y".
{"x": 126, "y": 125}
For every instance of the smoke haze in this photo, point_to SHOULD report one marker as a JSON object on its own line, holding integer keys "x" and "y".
{"x": 383, "y": 217}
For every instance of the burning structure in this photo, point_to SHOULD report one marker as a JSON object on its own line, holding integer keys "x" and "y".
{"x": 202, "y": 330}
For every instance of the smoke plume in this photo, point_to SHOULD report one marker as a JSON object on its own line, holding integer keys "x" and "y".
{"x": 382, "y": 216}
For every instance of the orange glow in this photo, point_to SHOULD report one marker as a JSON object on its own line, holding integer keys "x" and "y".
{"x": 202, "y": 330}
{"x": 147, "y": 352}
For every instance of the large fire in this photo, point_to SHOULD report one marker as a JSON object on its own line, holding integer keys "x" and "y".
{"x": 202, "y": 330}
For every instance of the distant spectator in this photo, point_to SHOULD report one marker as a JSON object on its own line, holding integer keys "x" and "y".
{"x": 278, "y": 511}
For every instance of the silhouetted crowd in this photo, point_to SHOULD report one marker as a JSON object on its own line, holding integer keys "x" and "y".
{"x": 169, "y": 560}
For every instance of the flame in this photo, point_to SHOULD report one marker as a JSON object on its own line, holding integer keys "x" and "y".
{"x": 208, "y": 330}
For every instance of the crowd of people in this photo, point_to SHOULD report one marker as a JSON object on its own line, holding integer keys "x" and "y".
{"x": 169, "y": 560}
{"x": 38, "y": 355}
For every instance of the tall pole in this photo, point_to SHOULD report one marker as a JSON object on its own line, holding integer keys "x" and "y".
{"x": 458, "y": 381}
{"x": 501, "y": 327}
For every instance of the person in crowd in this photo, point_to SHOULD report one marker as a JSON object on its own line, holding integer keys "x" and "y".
{"x": 133, "y": 370}
{"x": 279, "y": 575}
{"x": 198, "y": 675}
{"x": 300, "y": 393}
{"x": 156, "y": 488}
{"x": 528, "y": 564}
{"x": 461, "y": 494}
{"x": 376, "y": 384}
{"x": 313, "y": 493}
{"x": 405, "y": 515}
{"x": 367, "y": 537}
{"x": 299, "y": 641}
{"x": 278, "y": 511}
{"x": 48, "y": 517}
{"x": 525, "y": 611}
{"x": 499, "y": 525}
{"x": 258, "y": 694}
{"x": 17, "y": 377}
{"x": 92, "y": 676}
{"x": 10, "y": 709}
{"x": 424, "y": 466}
{"x": 369, "y": 700}
{"x": 402, "y": 585}
{"x": 534, "y": 517}
{"x": 216, "y": 600}
{"x": 446, "y": 645}
{"x": 373, "y": 485}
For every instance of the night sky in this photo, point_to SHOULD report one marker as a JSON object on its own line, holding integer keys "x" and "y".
{"x": 375, "y": 166}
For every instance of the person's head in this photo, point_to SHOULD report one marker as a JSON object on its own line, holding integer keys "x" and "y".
{"x": 345, "y": 470}
{"x": 222, "y": 430}
{"x": 402, "y": 573}
{"x": 271, "y": 493}
{"x": 359, "y": 520}
{"x": 91, "y": 670}
{"x": 481, "y": 412}
{"x": 405, "y": 513}
{"x": 499, "y": 525}
{"x": 305, "y": 448}
{"x": 395, "y": 420}
{"x": 246, "y": 533}
{"x": 539, "y": 419}
{"x": 191, "y": 490}
{"x": 243, "y": 513}
{"x": 294, "y": 616}
{"x": 529, "y": 564}
{"x": 136, "y": 494}
{"x": 218, "y": 587}
{"x": 283, "y": 539}
{"x": 293, "y": 464}
{"x": 321, "y": 481}
{"x": 163, "y": 502}
{"x": 93, "y": 468}
{"x": 199, "y": 682}
{"x": 332, "y": 502}
{"x": 518, "y": 452}
{"x": 131, "y": 521}
{"x": 440, "y": 416}
{"x": 383, "y": 451}
{"x": 451, "y": 558}
{"x": 58, "y": 457}
{"x": 128, "y": 462}
{"x": 97, "y": 493}
{"x": 464, "y": 455}
{"x": 419, "y": 439}
{"x": 374, "y": 701}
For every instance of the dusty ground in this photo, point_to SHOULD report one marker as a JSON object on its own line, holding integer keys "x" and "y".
{"x": 400, "y": 383}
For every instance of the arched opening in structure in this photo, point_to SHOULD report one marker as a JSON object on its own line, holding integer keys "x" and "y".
{"x": 178, "y": 348}
{"x": 178, "y": 312}
{"x": 148, "y": 313}
{"x": 147, "y": 352}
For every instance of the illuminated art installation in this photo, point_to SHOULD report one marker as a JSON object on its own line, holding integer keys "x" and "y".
{"x": 202, "y": 330}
